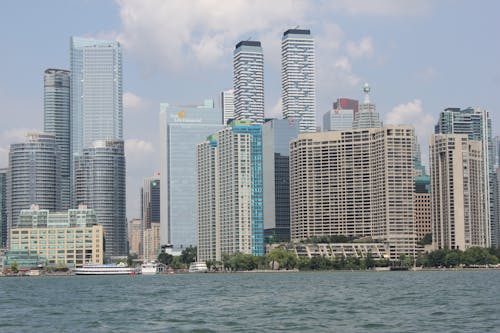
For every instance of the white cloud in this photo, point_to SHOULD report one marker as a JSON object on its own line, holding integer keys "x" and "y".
{"x": 412, "y": 113}
{"x": 132, "y": 102}
{"x": 362, "y": 49}
{"x": 170, "y": 34}
{"x": 382, "y": 7}
{"x": 137, "y": 147}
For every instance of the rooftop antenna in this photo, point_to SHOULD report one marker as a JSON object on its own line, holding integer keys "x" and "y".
{"x": 366, "y": 90}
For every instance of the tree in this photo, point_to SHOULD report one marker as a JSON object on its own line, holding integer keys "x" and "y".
{"x": 426, "y": 240}
{"x": 14, "y": 267}
{"x": 165, "y": 258}
{"x": 188, "y": 255}
{"x": 285, "y": 259}
{"x": 452, "y": 259}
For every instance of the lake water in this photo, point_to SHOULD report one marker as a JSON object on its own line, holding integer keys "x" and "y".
{"x": 451, "y": 301}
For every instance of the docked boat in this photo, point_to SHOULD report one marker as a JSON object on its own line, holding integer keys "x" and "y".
{"x": 106, "y": 269}
{"x": 198, "y": 267}
{"x": 150, "y": 268}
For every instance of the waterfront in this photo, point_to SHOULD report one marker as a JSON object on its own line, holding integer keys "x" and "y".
{"x": 450, "y": 301}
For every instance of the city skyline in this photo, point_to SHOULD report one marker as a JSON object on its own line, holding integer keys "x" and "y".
{"x": 355, "y": 42}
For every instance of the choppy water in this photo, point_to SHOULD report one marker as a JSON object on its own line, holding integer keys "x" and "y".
{"x": 256, "y": 302}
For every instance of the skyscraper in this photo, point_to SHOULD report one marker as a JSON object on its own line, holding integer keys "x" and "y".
{"x": 456, "y": 167}
{"x": 355, "y": 183}
{"x": 342, "y": 115}
{"x": 3, "y": 208}
{"x": 229, "y": 187}
{"x": 96, "y": 92}
{"x": 151, "y": 201}
{"x": 476, "y": 124}
{"x": 227, "y": 105}
{"x": 56, "y": 121}
{"x": 276, "y": 137}
{"x": 181, "y": 129}
{"x": 298, "y": 92}
{"x": 248, "y": 81}
{"x": 367, "y": 116}
{"x": 33, "y": 170}
{"x": 100, "y": 184}
{"x": 422, "y": 206}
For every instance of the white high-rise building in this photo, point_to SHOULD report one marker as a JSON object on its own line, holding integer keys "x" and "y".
{"x": 456, "y": 168}
{"x": 367, "y": 116}
{"x": 297, "y": 78}
{"x": 248, "y": 81}
{"x": 227, "y": 105}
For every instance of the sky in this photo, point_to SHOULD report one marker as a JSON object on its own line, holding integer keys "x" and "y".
{"x": 419, "y": 57}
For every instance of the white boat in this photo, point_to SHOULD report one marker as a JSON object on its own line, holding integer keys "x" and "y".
{"x": 198, "y": 267}
{"x": 107, "y": 269}
{"x": 150, "y": 268}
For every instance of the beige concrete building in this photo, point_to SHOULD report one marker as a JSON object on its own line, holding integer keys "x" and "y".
{"x": 423, "y": 214}
{"x": 70, "y": 238}
{"x": 355, "y": 183}
{"x": 135, "y": 237}
{"x": 152, "y": 242}
{"x": 456, "y": 167}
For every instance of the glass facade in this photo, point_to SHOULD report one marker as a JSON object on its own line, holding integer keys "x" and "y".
{"x": 33, "y": 170}
{"x": 3, "y": 208}
{"x": 182, "y": 128}
{"x": 276, "y": 137}
{"x": 96, "y": 91}
{"x": 56, "y": 120}
{"x": 100, "y": 184}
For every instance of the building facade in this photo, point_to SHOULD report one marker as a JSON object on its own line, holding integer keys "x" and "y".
{"x": 229, "y": 168}
{"x": 357, "y": 183}
{"x": 151, "y": 200}
{"x": 422, "y": 207}
{"x": 56, "y": 121}
{"x": 456, "y": 182}
{"x": 151, "y": 242}
{"x": 33, "y": 171}
{"x": 227, "y": 105}
{"x": 135, "y": 233}
{"x": 248, "y": 81}
{"x": 476, "y": 124}
{"x": 298, "y": 92}
{"x": 96, "y": 92}
{"x": 367, "y": 116}
{"x": 100, "y": 184}
{"x": 3, "y": 208}
{"x": 181, "y": 129}
{"x": 70, "y": 238}
{"x": 276, "y": 137}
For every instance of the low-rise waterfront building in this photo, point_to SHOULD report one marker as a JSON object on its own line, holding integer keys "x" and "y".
{"x": 376, "y": 251}
{"x": 70, "y": 238}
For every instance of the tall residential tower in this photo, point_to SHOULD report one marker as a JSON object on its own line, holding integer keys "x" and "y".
{"x": 56, "y": 121}
{"x": 248, "y": 81}
{"x": 297, "y": 78}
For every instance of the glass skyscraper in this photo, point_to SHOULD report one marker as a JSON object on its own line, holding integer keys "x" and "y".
{"x": 56, "y": 121}
{"x": 276, "y": 137}
{"x": 298, "y": 92}
{"x": 96, "y": 92}
{"x": 341, "y": 116}
{"x": 100, "y": 184}
{"x": 33, "y": 170}
{"x": 151, "y": 201}
{"x": 181, "y": 129}
{"x": 248, "y": 81}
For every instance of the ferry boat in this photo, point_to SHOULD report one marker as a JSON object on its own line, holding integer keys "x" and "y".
{"x": 198, "y": 267}
{"x": 150, "y": 268}
{"x": 106, "y": 269}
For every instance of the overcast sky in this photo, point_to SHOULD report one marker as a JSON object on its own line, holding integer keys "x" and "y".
{"x": 418, "y": 56}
